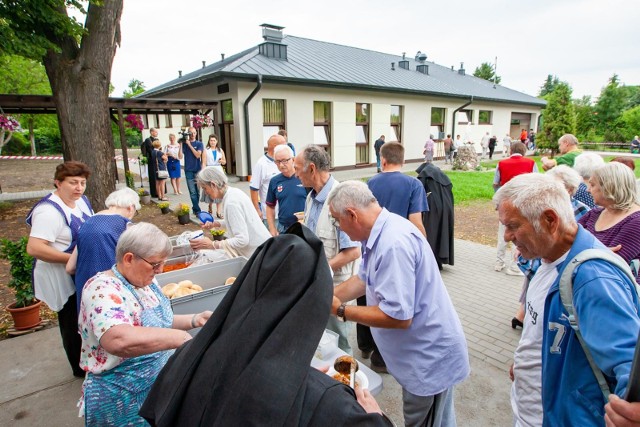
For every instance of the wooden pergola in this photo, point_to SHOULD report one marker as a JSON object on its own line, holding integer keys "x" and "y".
{"x": 118, "y": 107}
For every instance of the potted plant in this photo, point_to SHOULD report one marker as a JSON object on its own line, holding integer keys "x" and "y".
{"x": 26, "y": 310}
{"x": 182, "y": 212}
{"x": 164, "y": 207}
{"x": 145, "y": 197}
{"x": 218, "y": 233}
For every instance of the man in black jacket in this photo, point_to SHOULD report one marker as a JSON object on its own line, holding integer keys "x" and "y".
{"x": 147, "y": 150}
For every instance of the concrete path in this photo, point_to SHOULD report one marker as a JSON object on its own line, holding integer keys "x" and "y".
{"x": 39, "y": 390}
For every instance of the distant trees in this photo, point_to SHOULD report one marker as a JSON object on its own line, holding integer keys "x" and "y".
{"x": 615, "y": 116}
{"x": 135, "y": 87}
{"x": 559, "y": 117}
{"x": 487, "y": 72}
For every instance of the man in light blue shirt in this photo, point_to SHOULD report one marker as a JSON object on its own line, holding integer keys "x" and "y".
{"x": 408, "y": 308}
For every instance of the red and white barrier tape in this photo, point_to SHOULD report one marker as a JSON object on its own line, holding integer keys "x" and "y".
{"x": 31, "y": 158}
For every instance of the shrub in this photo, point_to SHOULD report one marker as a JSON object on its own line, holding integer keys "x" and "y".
{"x": 21, "y": 263}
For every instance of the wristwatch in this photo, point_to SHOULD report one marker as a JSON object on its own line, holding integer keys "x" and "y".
{"x": 340, "y": 313}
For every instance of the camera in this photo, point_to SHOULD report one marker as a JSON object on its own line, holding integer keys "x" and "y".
{"x": 184, "y": 134}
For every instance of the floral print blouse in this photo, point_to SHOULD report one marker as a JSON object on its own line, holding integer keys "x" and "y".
{"x": 107, "y": 302}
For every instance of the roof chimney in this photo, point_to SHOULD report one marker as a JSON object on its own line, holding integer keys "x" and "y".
{"x": 179, "y": 73}
{"x": 461, "y": 70}
{"x": 222, "y": 55}
{"x": 393, "y": 66}
{"x": 272, "y": 46}
{"x": 204, "y": 64}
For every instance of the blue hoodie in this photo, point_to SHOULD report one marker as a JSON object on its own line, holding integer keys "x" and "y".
{"x": 607, "y": 308}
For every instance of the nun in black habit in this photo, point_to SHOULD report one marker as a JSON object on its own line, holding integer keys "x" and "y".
{"x": 438, "y": 222}
{"x": 250, "y": 364}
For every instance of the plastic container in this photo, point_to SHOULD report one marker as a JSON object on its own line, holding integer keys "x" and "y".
{"x": 179, "y": 250}
{"x": 328, "y": 345}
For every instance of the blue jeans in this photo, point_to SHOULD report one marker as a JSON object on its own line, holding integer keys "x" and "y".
{"x": 194, "y": 193}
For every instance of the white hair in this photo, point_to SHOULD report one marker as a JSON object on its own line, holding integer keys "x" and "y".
{"x": 283, "y": 147}
{"x": 350, "y": 194}
{"x": 569, "y": 177}
{"x": 145, "y": 240}
{"x": 586, "y": 163}
{"x": 534, "y": 193}
{"x": 123, "y": 198}
{"x": 212, "y": 175}
{"x": 618, "y": 184}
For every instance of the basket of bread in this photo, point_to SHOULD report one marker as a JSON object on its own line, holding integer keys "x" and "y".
{"x": 180, "y": 289}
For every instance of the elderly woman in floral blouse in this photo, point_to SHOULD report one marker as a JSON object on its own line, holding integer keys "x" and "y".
{"x": 128, "y": 329}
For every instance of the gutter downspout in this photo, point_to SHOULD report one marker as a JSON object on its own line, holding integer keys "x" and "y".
{"x": 453, "y": 125}
{"x": 246, "y": 121}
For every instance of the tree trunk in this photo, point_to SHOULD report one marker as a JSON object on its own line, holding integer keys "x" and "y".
{"x": 79, "y": 77}
{"x": 32, "y": 137}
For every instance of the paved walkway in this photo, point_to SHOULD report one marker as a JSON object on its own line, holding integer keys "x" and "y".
{"x": 38, "y": 388}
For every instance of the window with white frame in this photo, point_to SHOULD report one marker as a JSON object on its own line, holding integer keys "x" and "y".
{"x": 322, "y": 123}
{"x": 395, "y": 133}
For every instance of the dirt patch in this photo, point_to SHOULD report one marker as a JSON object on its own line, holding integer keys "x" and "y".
{"x": 477, "y": 221}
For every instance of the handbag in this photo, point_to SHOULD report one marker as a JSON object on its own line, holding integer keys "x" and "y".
{"x": 161, "y": 174}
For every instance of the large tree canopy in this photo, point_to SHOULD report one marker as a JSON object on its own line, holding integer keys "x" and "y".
{"x": 78, "y": 60}
{"x": 487, "y": 72}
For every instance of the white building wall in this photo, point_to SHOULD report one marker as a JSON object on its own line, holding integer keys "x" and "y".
{"x": 416, "y": 119}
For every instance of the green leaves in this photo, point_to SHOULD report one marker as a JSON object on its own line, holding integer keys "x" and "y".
{"x": 487, "y": 72}
{"x": 21, "y": 263}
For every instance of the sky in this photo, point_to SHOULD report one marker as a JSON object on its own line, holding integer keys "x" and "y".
{"x": 583, "y": 42}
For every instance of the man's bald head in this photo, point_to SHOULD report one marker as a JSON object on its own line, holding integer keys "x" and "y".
{"x": 273, "y": 142}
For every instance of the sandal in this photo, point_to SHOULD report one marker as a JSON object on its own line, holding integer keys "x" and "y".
{"x": 219, "y": 215}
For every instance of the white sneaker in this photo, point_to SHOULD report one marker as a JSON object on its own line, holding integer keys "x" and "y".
{"x": 512, "y": 272}
{"x": 499, "y": 266}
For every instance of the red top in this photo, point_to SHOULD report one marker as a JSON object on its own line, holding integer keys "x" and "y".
{"x": 514, "y": 166}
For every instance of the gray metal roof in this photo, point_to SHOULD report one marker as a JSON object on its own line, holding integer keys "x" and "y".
{"x": 328, "y": 64}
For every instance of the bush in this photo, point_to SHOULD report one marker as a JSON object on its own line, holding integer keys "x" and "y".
{"x": 21, "y": 262}
{"x": 18, "y": 145}
{"x": 48, "y": 140}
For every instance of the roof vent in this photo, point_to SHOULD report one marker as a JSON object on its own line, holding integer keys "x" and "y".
{"x": 222, "y": 56}
{"x": 204, "y": 64}
{"x": 179, "y": 73}
{"x": 403, "y": 64}
{"x": 461, "y": 70}
{"x": 272, "y": 46}
{"x": 422, "y": 68}
{"x": 421, "y": 57}
{"x": 393, "y": 66}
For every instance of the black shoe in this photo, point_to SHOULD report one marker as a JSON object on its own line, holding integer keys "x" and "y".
{"x": 79, "y": 374}
{"x": 515, "y": 323}
{"x": 377, "y": 363}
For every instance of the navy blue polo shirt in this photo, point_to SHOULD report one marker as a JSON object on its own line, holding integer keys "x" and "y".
{"x": 289, "y": 195}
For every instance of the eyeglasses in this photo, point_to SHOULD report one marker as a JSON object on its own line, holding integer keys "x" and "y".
{"x": 283, "y": 161}
{"x": 334, "y": 221}
{"x": 154, "y": 265}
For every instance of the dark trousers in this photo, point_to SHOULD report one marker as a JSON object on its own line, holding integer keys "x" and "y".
{"x": 491, "y": 149}
{"x": 365, "y": 339}
{"x": 71, "y": 340}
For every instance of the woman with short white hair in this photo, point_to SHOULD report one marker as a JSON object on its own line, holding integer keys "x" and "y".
{"x": 616, "y": 220}
{"x": 97, "y": 239}
{"x": 243, "y": 227}
{"x": 585, "y": 164}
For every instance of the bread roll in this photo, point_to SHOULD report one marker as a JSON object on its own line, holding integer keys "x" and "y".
{"x": 182, "y": 291}
{"x": 230, "y": 280}
{"x": 185, "y": 283}
{"x": 169, "y": 289}
{"x": 194, "y": 287}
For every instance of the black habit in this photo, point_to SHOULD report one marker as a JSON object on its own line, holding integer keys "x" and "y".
{"x": 438, "y": 222}
{"x": 250, "y": 364}
{"x": 147, "y": 150}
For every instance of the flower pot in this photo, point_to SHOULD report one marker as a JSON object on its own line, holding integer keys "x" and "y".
{"x": 145, "y": 200}
{"x": 25, "y": 317}
{"x": 164, "y": 210}
{"x": 220, "y": 237}
{"x": 184, "y": 219}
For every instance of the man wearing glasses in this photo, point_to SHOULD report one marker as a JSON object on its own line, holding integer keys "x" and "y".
{"x": 285, "y": 191}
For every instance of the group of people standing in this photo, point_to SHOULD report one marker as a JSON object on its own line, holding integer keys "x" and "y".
{"x": 550, "y": 221}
